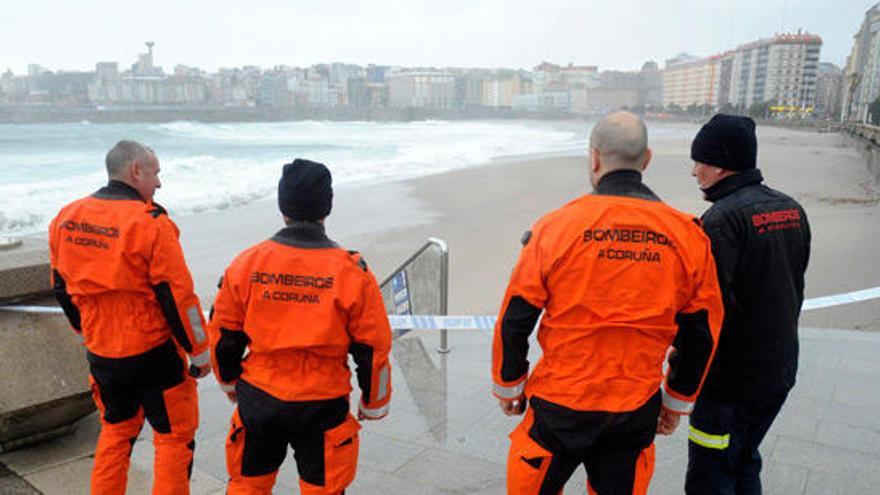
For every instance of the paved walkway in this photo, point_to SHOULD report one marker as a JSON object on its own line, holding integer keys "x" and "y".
{"x": 445, "y": 433}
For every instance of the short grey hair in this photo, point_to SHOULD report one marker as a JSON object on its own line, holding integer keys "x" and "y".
{"x": 126, "y": 152}
{"x": 621, "y": 139}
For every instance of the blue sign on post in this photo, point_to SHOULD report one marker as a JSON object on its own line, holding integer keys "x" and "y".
{"x": 400, "y": 294}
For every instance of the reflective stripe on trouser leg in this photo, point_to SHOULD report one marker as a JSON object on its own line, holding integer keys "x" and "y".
{"x": 113, "y": 452}
{"x": 174, "y": 450}
{"x": 714, "y": 444}
{"x": 708, "y": 440}
{"x": 728, "y": 460}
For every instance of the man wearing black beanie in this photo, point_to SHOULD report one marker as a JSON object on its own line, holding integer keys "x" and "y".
{"x": 300, "y": 304}
{"x": 761, "y": 244}
{"x": 305, "y": 191}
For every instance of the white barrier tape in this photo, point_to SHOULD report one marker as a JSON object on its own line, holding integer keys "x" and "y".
{"x": 841, "y": 299}
{"x": 39, "y": 310}
{"x": 438, "y": 322}
{"x": 486, "y": 322}
{"x": 398, "y": 322}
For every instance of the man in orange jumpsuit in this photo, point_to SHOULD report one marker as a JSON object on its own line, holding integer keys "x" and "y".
{"x": 300, "y": 304}
{"x": 620, "y": 277}
{"x": 119, "y": 273}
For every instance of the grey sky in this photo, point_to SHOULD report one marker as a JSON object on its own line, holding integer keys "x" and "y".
{"x": 618, "y": 34}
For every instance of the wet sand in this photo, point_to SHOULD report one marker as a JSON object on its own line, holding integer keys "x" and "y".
{"x": 482, "y": 212}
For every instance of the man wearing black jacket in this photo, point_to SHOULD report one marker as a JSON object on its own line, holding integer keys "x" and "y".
{"x": 761, "y": 243}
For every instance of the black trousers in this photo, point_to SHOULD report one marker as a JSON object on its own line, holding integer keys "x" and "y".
{"x": 263, "y": 428}
{"x": 616, "y": 449}
{"x": 127, "y": 385}
{"x": 723, "y": 442}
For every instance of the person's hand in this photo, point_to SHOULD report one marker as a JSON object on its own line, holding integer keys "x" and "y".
{"x": 198, "y": 372}
{"x": 361, "y": 416}
{"x": 668, "y": 422}
{"x": 513, "y": 407}
{"x": 232, "y": 396}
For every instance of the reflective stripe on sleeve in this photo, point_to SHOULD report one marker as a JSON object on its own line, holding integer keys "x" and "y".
{"x": 375, "y": 413}
{"x": 676, "y": 405}
{"x": 513, "y": 392}
{"x": 227, "y": 387}
{"x": 384, "y": 376}
{"x": 195, "y": 322}
{"x": 703, "y": 439}
{"x": 200, "y": 359}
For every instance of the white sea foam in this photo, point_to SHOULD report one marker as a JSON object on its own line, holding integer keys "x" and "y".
{"x": 215, "y": 166}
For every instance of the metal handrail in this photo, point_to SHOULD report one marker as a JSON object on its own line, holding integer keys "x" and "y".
{"x": 444, "y": 281}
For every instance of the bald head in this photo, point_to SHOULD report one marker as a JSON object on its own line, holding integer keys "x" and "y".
{"x": 621, "y": 138}
{"x": 618, "y": 141}
{"x": 124, "y": 154}
{"x": 136, "y": 165}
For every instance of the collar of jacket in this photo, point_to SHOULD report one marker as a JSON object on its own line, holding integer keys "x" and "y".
{"x": 729, "y": 184}
{"x": 625, "y": 183}
{"x": 116, "y": 189}
{"x": 309, "y": 235}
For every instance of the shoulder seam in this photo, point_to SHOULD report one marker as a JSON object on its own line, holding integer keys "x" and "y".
{"x": 360, "y": 261}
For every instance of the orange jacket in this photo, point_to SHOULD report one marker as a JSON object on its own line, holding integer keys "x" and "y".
{"x": 119, "y": 273}
{"x": 300, "y": 304}
{"x": 620, "y": 277}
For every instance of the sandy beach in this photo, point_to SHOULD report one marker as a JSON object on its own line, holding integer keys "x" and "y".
{"x": 482, "y": 212}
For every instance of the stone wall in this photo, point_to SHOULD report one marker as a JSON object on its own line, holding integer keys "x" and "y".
{"x": 44, "y": 385}
{"x": 867, "y": 138}
{"x": 24, "y": 268}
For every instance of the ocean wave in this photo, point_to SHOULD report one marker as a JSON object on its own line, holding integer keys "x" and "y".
{"x": 218, "y": 166}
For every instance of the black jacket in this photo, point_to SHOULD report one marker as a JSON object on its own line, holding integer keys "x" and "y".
{"x": 761, "y": 242}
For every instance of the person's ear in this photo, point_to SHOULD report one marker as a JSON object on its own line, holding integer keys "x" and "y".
{"x": 595, "y": 160}
{"x": 135, "y": 171}
{"x": 647, "y": 159}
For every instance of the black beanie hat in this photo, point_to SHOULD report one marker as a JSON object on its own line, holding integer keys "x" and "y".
{"x": 305, "y": 191}
{"x": 726, "y": 141}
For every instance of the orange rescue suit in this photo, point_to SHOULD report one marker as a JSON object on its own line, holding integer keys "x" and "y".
{"x": 300, "y": 305}
{"x": 119, "y": 273}
{"x": 301, "y": 309}
{"x": 620, "y": 280}
{"x": 118, "y": 261}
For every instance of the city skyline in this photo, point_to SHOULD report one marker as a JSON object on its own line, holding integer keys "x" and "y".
{"x": 212, "y": 35}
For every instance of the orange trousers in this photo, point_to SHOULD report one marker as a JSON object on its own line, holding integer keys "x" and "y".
{"x": 174, "y": 415}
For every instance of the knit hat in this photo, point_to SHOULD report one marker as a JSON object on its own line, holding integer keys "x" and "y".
{"x": 305, "y": 191}
{"x": 727, "y": 141}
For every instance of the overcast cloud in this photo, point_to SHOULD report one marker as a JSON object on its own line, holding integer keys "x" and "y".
{"x": 619, "y": 34}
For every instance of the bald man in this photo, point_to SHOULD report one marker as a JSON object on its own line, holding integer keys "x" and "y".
{"x": 120, "y": 275}
{"x": 620, "y": 278}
